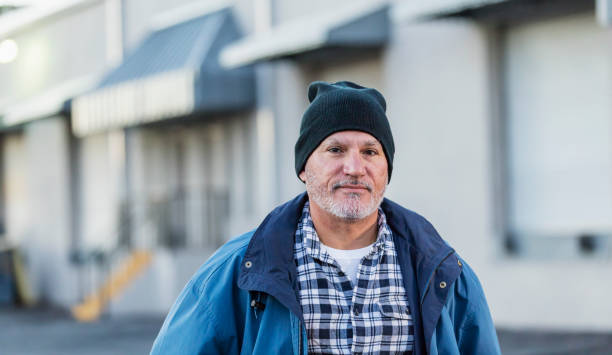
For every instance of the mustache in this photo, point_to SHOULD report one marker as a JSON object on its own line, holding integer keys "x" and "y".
{"x": 352, "y": 182}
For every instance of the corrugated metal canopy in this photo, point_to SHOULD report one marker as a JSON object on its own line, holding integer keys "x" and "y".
{"x": 178, "y": 47}
{"x": 362, "y": 25}
{"x": 174, "y": 72}
{"x": 411, "y": 10}
{"x": 496, "y": 11}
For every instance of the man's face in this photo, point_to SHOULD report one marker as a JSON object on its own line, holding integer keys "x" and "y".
{"x": 346, "y": 175}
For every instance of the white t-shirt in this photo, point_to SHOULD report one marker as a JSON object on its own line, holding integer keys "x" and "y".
{"x": 348, "y": 259}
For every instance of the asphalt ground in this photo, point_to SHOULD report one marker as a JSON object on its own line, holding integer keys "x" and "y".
{"x": 537, "y": 342}
{"x": 51, "y": 332}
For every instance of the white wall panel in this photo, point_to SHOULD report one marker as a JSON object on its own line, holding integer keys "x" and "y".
{"x": 17, "y": 217}
{"x": 48, "y": 241}
{"x": 558, "y": 76}
{"x": 99, "y": 193}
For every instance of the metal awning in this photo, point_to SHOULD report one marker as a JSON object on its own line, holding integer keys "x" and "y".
{"x": 363, "y": 25}
{"x": 414, "y": 10}
{"x": 498, "y": 11}
{"x": 174, "y": 72}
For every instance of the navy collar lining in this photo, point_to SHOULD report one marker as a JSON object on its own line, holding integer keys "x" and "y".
{"x": 268, "y": 265}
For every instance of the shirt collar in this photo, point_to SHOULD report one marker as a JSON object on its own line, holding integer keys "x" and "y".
{"x": 312, "y": 244}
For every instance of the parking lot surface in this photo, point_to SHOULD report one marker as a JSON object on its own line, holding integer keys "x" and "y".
{"x": 51, "y": 332}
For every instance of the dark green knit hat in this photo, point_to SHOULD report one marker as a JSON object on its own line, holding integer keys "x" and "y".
{"x": 342, "y": 106}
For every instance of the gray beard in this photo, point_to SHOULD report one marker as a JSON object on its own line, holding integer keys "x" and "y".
{"x": 351, "y": 210}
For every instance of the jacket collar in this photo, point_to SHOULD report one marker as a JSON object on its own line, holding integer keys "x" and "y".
{"x": 268, "y": 265}
{"x": 419, "y": 238}
{"x": 425, "y": 260}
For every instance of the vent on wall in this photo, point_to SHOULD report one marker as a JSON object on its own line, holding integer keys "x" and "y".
{"x": 555, "y": 247}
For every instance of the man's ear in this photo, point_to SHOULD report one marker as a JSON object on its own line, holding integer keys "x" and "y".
{"x": 302, "y": 176}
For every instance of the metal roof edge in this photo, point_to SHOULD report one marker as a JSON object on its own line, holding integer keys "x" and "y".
{"x": 414, "y": 11}
{"x": 48, "y": 102}
{"x": 269, "y": 44}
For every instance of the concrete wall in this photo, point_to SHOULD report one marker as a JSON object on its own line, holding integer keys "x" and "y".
{"x": 99, "y": 194}
{"x": 48, "y": 166}
{"x": 290, "y": 102}
{"x": 40, "y": 215}
{"x": 557, "y": 76}
{"x": 37, "y": 193}
{"x": 558, "y": 85}
{"x": 59, "y": 49}
{"x": 15, "y": 184}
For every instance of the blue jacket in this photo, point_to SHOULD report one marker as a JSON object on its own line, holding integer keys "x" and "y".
{"x": 243, "y": 300}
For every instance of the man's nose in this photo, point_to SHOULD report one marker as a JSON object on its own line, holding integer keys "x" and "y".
{"x": 354, "y": 164}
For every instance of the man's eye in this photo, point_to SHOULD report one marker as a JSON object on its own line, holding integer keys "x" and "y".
{"x": 371, "y": 152}
{"x": 334, "y": 150}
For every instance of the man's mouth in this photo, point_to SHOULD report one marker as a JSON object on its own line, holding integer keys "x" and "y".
{"x": 352, "y": 186}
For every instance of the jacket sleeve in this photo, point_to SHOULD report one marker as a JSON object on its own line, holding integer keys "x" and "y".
{"x": 465, "y": 325}
{"x": 206, "y": 318}
{"x": 188, "y": 328}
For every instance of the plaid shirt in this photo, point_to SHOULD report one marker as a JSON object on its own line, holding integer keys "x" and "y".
{"x": 372, "y": 317}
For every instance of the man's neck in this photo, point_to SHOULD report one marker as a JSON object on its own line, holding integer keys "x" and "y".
{"x": 340, "y": 233}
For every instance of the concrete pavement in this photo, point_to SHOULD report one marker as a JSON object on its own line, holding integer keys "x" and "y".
{"x": 54, "y": 332}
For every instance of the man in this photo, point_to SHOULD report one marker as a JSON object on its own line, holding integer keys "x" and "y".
{"x": 337, "y": 270}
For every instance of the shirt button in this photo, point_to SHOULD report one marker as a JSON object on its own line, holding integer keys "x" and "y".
{"x": 355, "y": 312}
{"x": 442, "y": 284}
{"x": 248, "y": 264}
{"x": 459, "y": 262}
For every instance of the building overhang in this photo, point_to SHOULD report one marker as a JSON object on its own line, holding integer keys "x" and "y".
{"x": 174, "y": 72}
{"x": 498, "y": 11}
{"x": 48, "y": 103}
{"x": 363, "y": 25}
{"x": 417, "y": 10}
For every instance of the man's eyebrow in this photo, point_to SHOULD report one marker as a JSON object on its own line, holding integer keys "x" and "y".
{"x": 333, "y": 141}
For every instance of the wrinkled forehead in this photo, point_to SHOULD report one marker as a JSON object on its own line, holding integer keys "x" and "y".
{"x": 358, "y": 138}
